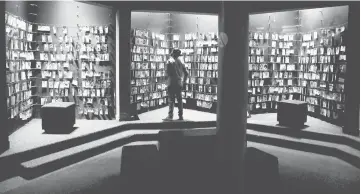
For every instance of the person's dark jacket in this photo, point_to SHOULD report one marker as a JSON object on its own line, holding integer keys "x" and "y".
{"x": 176, "y": 72}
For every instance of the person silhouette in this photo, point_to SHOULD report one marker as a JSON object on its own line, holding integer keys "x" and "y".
{"x": 177, "y": 75}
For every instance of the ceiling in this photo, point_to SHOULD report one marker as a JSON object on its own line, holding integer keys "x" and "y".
{"x": 214, "y": 6}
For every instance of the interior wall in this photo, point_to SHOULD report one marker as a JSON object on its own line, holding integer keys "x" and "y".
{"x": 18, "y": 8}
{"x": 77, "y": 13}
{"x": 183, "y": 23}
{"x": 180, "y": 23}
{"x": 310, "y": 19}
{"x": 299, "y": 20}
{"x": 260, "y": 22}
{"x": 52, "y": 12}
{"x": 186, "y": 23}
{"x": 153, "y": 21}
{"x": 332, "y": 16}
{"x": 83, "y": 14}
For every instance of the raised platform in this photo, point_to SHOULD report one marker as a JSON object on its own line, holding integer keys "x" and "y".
{"x": 31, "y": 136}
{"x": 33, "y": 150}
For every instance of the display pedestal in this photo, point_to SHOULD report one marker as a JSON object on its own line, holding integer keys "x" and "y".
{"x": 292, "y": 113}
{"x": 185, "y": 163}
{"x": 140, "y": 169}
{"x": 261, "y": 172}
{"x": 58, "y": 117}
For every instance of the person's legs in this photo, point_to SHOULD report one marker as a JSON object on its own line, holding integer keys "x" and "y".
{"x": 178, "y": 94}
{"x": 171, "y": 97}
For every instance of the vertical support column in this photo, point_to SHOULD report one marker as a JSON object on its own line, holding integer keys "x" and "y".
{"x": 352, "y": 81}
{"x": 123, "y": 61}
{"x": 232, "y": 95}
{"x": 117, "y": 73}
{"x": 4, "y": 131}
{"x": 32, "y": 15}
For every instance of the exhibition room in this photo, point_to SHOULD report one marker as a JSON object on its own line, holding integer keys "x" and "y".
{"x": 87, "y": 81}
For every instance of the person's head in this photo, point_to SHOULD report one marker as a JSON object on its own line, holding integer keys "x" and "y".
{"x": 176, "y": 53}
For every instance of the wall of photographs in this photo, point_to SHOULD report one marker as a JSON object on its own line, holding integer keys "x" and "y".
{"x": 19, "y": 69}
{"x": 201, "y": 59}
{"x": 58, "y": 64}
{"x": 307, "y": 66}
{"x": 150, "y": 51}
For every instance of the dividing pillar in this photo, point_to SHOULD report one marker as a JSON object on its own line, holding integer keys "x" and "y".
{"x": 352, "y": 81}
{"x": 4, "y": 130}
{"x": 123, "y": 60}
{"x": 232, "y": 95}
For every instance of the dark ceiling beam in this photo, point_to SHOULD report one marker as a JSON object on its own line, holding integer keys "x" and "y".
{"x": 212, "y": 7}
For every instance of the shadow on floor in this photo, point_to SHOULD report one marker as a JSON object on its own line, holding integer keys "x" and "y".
{"x": 60, "y": 132}
{"x": 109, "y": 185}
{"x": 294, "y": 128}
{"x": 338, "y": 139}
{"x": 318, "y": 149}
{"x": 353, "y": 160}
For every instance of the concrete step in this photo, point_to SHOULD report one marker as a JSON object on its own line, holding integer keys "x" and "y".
{"x": 68, "y": 143}
{"x": 40, "y": 166}
{"x": 347, "y": 140}
{"x": 338, "y": 145}
{"x": 10, "y": 164}
{"x": 337, "y": 150}
{"x": 17, "y": 182}
{"x": 37, "y": 167}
